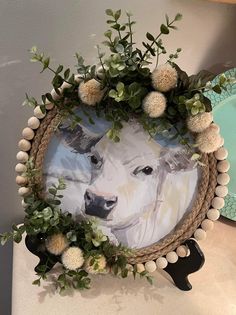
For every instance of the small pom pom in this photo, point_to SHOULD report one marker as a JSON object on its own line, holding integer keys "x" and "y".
{"x": 223, "y": 166}
{"x": 164, "y": 78}
{"x": 218, "y": 203}
{"x": 56, "y": 244}
{"x": 20, "y": 168}
{"x": 140, "y": 268}
{"x": 72, "y": 258}
{"x": 208, "y": 141}
{"x": 24, "y": 145}
{"x": 49, "y": 106}
{"x": 182, "y": 251}
{"x": 96, "y": 264}
{"x": 24, "y": 191}
{"x": 28, "y": 133}
{"x": 22, "y": 156}
{"x": 91, "y": 92}
{"x": 215, "y": 127}
{"x": 33, "y": 122}
{"x": 38, "y": 113}
{"x": 200, "y": 122}
{"x": 154, "y": 104}
{"x": 213, "y": 214}
{"x": 221, "y": 191}
{"x": 221, "y": 154}
{"x": 150, "y": 266}
{"x": 207, "y": 225}
{"x": 54, "y": 94}
{"x": 21, "y": 180}
{"x": 161, "y": 263}
{"x": 200, "y": 234}
{"x": 223, "y": 179}
{"x": 172, "y": 257}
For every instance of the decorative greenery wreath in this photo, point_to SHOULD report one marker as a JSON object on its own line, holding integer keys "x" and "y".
{"x": 165, "y": 101}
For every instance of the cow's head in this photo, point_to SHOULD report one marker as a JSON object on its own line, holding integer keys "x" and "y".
{"x": 127, "y": 177}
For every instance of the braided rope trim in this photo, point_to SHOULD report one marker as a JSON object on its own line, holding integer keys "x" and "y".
{"x": 183, "y": 230}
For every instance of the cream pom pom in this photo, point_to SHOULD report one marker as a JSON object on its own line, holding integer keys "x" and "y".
{"x": 150, "y": 266}
{"x": 56, "y": 243}
{"x": 200, "y": 234}
{"x": 213, "y": 214}
{"x": 21, "y": 180}
{"x": 96, "y": 264}
{"x": 140, "y": 268}
{"x": 199, "y": 122}
{"x": 182, "y": 251}
{"x": 90, "y": 92}
{"x": 22, "y": 156}
{"x": 223, "y": 166}
{"x": 223, "y": 179}
{"x": 207, "y": 225}
{"x": 164, "y": 78}
{"x": 28, "y": 133}
{"x": 218, "y": 203}
{"x": 154, "y": 104}
{"x": 24, "y": 191}
{"x": 208, "y": 141}
{"x": 172, "y": 257}
{"x": 161, "y": 263}
{"x": 33, "y": 122}
{"x": 221, "y": 191}
{"x": 221, "y": 154}
{"x": 20, "y": 168}
{"x": 38, "y": 112}
{"x": 72, "y": 258}
{"x": 24, "y": 145}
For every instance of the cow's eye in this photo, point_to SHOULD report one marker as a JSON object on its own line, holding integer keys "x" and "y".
{"x": 147, "y": 170}
{"x": 94, "y": 159}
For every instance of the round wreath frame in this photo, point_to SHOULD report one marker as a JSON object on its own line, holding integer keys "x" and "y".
{"x": 182, "y": 232}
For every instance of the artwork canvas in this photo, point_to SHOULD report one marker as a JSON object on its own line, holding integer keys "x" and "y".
{"x": 138, "y": 189}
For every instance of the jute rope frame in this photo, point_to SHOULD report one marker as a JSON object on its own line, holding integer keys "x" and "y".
{"x": 183, "y": 231}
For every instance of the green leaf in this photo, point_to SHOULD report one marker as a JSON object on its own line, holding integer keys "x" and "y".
{"x": 59, "y": 69}
{"x": 150, "y": 36}
{"x": 36, "y": 282}
{"x": 108, "y": 34}
{"x": 217, "y": 89}
{"x": 109, "y": 12}
{"x": 117, "y": 14}
{"x": 67, "y": 73}
{"x": 178, "y": 17}
{"x": 164, "y": 29}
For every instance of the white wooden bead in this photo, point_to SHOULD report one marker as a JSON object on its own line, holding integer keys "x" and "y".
{"x": 33, "y": 122}
{"x": 24, "y": 204}
{"x": 27, "y": 133}
{"x": 172, "y": 257}
{"x": 213, "y": 214}
{"x": 23, "y": 191}
{"x": 182, "y": 251}
{"x": 223, "y": 179}
{"x": 24, "y": 145}
{"x": 199, "y": 234}
{"x": 38, "y": 113}
{"x": 20, "y": 168}
{"x": 22, "y": 156}
{"x": 150, "y": 266}
{"x": 49, "y": 106}
{"x": 140, "y": 268}
{"x": 221, "y": 154}
{"x": 207, "y": 225}
{"x": 218, "y": 203}
{"x": 221, "y": 191}
{"x": 21, "y": 180}
{"x": 223, "y": 166}
{"x": 65, "y": 85}
{"x": 215, "y": 127}
{"x": 161, "y": 262}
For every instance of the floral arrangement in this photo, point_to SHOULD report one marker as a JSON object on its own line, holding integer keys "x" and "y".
{"x": 122, "y": 86}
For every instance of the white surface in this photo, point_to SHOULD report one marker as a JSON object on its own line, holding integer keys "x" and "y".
{"x": 213, "y": 293}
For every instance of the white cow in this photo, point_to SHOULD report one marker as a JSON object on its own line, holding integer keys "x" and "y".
{"x": 136, "y": 188}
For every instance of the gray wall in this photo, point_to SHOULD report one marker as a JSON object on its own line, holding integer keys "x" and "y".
{"x": 60, "y": 28}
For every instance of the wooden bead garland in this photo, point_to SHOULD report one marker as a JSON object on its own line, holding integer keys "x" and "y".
{"x": 213, "y": 214}
{"x": 28, "y": 133}
{"x": 20, "y": 168}
{"x": 38, "y": 113}
{"x": 207, "y": 225}
{"x": 221, "y": 191}
{"x": 223, "y": 179}
{"x": 199, "y": 234}
{"x": 33, "y": 122}
{"x": 221, "y": 154}
{"x": 161, "y": 262}
{"x": 24, "y": 145}
{"x": 150, "y": 266}
{"x": 172, "y": 257}
{"x": 22, "y": 156}
{"x": 223, "y": 166}
{"x": 182, "y": 251}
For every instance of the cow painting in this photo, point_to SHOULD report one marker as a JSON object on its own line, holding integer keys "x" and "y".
{"x": 137, "y": 189}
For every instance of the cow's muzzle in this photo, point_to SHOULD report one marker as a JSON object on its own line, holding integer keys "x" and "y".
{"x": 98, "y": 206}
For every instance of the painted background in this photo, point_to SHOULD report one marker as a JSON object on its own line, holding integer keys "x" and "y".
{"x": 62, "y": 27}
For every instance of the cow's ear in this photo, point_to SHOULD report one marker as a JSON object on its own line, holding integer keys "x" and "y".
{"x": 80, "y": 139}
{"x": 177, "y": 161}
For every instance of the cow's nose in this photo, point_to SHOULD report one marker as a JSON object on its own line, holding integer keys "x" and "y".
{"x": 97, "y": 205}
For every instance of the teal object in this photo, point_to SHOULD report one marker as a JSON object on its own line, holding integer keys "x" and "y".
{"x": 224, "y": 111}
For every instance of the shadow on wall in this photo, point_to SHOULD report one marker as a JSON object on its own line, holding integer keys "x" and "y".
{"x": 224, "y": 48}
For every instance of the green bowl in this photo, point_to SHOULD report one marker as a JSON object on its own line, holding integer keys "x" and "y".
{"x": 224, "y": 110}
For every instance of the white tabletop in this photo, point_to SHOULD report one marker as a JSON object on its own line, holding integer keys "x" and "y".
{"x": 213, "y": 293}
